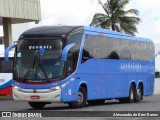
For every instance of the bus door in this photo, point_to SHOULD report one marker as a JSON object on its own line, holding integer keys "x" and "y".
{"x": 101, "y": 79}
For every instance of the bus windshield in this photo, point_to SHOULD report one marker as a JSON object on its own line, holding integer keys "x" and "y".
{"x": 32, "y": 65}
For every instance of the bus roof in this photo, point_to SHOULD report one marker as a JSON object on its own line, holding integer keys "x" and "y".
{"x": 54, "y": 31}
{"x": 49, "y": 31}
{"x": 110, "y": 33}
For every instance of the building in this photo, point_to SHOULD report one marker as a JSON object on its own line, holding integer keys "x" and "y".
{"x": 17, "y": 11}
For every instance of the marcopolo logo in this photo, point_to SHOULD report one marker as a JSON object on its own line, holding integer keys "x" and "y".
{"x": 36, "y": 47}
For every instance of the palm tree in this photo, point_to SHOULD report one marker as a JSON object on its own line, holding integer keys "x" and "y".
{"x": 116, "y": 18}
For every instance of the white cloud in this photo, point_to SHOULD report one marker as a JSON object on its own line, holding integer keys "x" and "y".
{"x": 150, "y": 15}
{"x": 68, "y": 12}
{"x": 157, "y": 26}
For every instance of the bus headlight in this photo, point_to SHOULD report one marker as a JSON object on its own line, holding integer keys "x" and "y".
{"x": 16, "y": 87}
{"x": 59, "y": 87}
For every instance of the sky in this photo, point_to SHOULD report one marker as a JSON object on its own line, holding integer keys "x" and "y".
{"x": 81, "y": 12}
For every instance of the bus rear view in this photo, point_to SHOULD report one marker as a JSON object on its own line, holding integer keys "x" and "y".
{"x": 79, "y": 65}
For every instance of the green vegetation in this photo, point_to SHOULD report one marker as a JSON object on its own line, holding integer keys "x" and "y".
{"x": 116, "y": 18}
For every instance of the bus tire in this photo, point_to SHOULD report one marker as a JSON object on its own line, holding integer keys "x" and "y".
{"x": 96, "y": 102}
{"x": 81, "y": 100}
{"x": 37, "y": 105}
{"x": 139, "y": 93}
{"x": 132, "y": 94}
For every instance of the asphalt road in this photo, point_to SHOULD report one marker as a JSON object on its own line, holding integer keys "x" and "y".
{"x": 151, "y": 103}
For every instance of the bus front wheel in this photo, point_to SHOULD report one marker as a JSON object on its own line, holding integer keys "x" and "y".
{"x": 37, "y": 105}
{"x": 81, "y": 100}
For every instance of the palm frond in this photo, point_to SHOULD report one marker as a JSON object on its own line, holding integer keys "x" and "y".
{"x": 116, "y": 18}
{"x": 122, "y": 3}
{"x": 133, "y": 12}
{"x": 104, "y": 7}
{"x": 98, "y": 19}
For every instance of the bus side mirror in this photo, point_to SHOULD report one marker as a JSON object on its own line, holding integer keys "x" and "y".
{"x": 66, "y": 50}
{"x": 7, "y": 52}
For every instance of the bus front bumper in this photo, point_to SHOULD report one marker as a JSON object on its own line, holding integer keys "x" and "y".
{"x": 39, "y": 95}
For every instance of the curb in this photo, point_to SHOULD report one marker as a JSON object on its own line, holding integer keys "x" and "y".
{"x": 7, "y": 97}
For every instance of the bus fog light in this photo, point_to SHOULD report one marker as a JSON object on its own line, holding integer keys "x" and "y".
{"x": 57, "y": 96}
{"x": 16, "y": 96}
{"x": 59, "y": 87}
{"x": 56, "y": 88}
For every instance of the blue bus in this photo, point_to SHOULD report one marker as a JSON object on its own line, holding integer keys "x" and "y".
{"x": 79, "y": 65}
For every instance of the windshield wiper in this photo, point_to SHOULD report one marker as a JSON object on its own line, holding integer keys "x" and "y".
{"x": 31, "y": 67}
{"x": 44, "y": 72}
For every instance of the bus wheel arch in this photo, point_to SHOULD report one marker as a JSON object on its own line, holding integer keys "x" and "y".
{"x": 85, "y": 87}
{"x": 81, "y": 98}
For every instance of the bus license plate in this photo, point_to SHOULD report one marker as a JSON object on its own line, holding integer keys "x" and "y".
{"x": 35, "y": 97}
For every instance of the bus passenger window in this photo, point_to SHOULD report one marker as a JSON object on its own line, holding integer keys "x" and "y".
{"x": 85, "y": 56}
{"x": 7, "y": 67}
{"x": 125, "y": 54}
{"x": 1, "y": 65}
{"x": 113, "y": 55}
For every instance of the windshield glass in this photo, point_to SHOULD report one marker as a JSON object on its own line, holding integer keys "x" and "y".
{"x": 39, "y": 59}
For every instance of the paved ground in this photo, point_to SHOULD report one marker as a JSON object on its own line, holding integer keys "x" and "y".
{"x": 157, "y": 86}
{"x": 151, "y": 103}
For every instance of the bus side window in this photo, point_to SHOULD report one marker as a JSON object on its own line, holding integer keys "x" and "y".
{"x": 89, "y": 48}
{"x": 72, "y": 60}
{"x": 113, "y": 55}
{"x": 85, "y": 56}
{"x": 1, "y": 65}
{"x": 114, "y": 48}
{"x": 7, "y": 66}
{"x": 125, "y": 54}
{"x": 125, "y": 50}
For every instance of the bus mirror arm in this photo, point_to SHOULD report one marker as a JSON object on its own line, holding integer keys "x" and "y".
{"x": 66, "y": 50}
{"x": 7, "y": 51}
